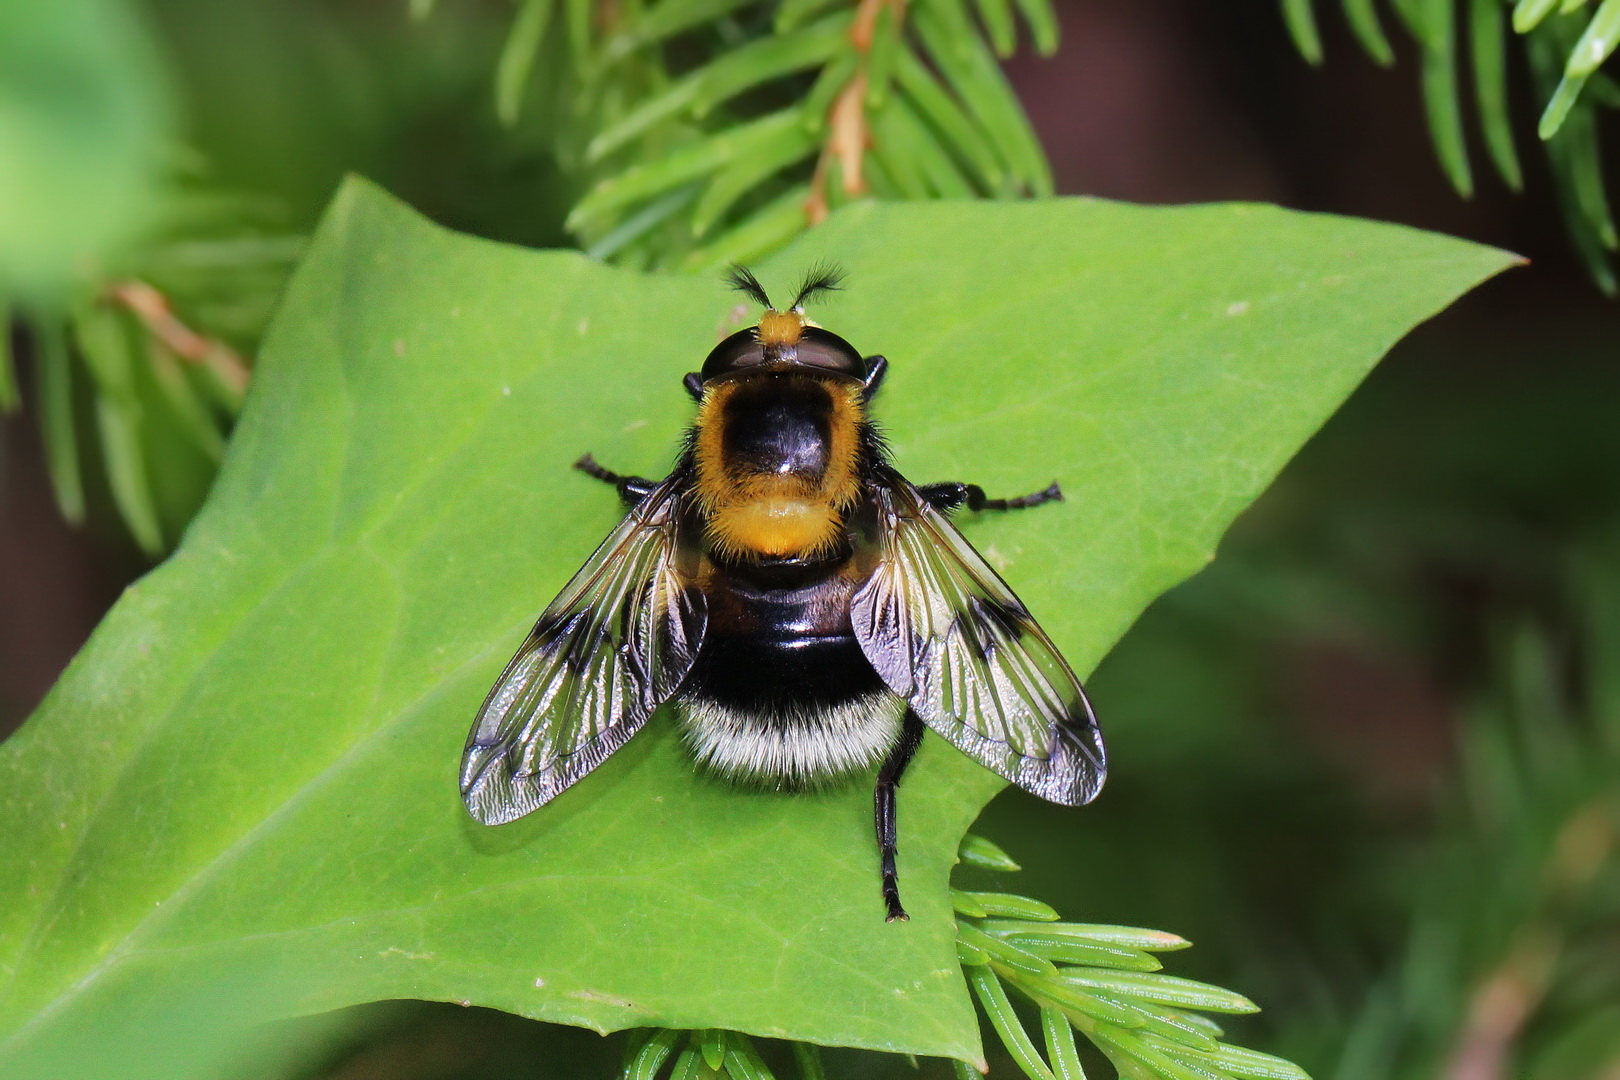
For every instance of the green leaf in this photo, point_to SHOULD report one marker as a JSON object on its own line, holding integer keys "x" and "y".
{"x": 689, "y": 163}
{"x": 788, "y": 145}
{"x": 834, "y": 77}
{"x": 581, "y": 32}
{"x": 808, "y": 1058}
{"x": 1528, "y": 14}
{"x": 1061, "y": 1050}
{"x": 1006, "y": 1022}
{"x": 1300, "y": 16}
{"x": 1362, "y": 15}
{"x": 1441, "y": 96}
{"x": 689, "y": 1066}
{"x": 791, "y": 14}
{"x": 1162, "y": 989}
{"x": 1043, "y": 24}
{"x": 947, "y": 33}
{"x": 644, "y": 221}
{"x": 1084, "y": 1004}
{"x": 1489, "y": 48}
{"x": 971, "y": 955}
{"x": 1175, "y": 1030}
{"x": 193, "y": 420}
{"x": 85, "y": 114}
{"x": 997, "y": 17}
{"x": 729, "y": 75}
{"x": 916, "y": 160}
{"x": 665, "y": 20}
{"x": 1586, "y": 175}
{"x": 743, "y": 1061}
{"x": 1003, "y": 951}
{"x": 963, "y": 904}
{"x": 765, "y": 231}
{"x": 1567, "y": 168}
{"x": 58, "y": 429}
{"x": 1129, "y": 937}
{"x": 103, "y": 336}
{"x": 1011, "y": 906}
{"x": 651, "y": 1057}
{"x": 1117, "y": 1044}
{"x": 888, "y": 40}
{"x": 977, "y": 851}
{"x": 1078, "y": 952}
{"x": 120, "y": 425}
{"x": 1598, "y": 41}
{"x": 712, "y": 1045}
{"x": 248, "y": 777}
{"x": 892, "y": 161}
{"x": 1560, "y": 105}
{"x": 1239, "y": 1061}
{"x": 516, "y": 62}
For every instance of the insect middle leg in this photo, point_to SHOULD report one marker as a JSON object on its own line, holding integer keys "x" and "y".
{"x": 632, "y": 489}
{"x": 952, "y": 495}
{"x": 883, "y": 807}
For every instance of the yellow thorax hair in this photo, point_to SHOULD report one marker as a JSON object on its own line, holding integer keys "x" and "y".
{"x": 751, "y": 515}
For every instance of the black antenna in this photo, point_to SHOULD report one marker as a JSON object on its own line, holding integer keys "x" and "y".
{"x": 743, "y": 280}
{"x": 823, "y": 277}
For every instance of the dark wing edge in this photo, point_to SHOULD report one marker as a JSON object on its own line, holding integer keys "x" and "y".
{"x": 947, "y": 634}
{"x": 613, "y": 646}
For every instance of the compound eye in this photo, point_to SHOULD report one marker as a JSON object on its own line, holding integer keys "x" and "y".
{"x": 822, "y": 349}
{"x": 740, "y": 350}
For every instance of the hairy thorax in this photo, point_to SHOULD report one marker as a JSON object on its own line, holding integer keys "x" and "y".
{"x": 777, "y": 465}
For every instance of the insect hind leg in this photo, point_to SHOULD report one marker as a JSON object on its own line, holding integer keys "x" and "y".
{"x": 883, "y": 808}
{"x": 632, "y": 489}
{"x": 953, "y": 495}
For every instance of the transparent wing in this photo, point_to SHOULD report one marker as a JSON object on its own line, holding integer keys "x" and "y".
{"x": 948, "y": 635}
{"x": 611, "y": 648}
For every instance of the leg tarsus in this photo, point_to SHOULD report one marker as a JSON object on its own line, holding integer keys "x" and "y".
{"x": 632, "y": 489}
{"x": 883, "y": 809}
{"x": 976, "y": 499}
{"x": 952, "y": 495}
{"x": 588, "y": 465}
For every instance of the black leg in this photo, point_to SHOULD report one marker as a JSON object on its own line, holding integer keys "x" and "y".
{"x": 953, "y": 494}
{"x": 632, "y": 489}
{"x": 876, "y": 368}
{"x": 694, "y": 385}
{"x": 911, "y": 729}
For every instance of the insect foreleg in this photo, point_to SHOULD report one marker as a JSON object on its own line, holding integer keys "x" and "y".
{"x": 911, "y": 730}
{"x": 632, "y": 489}
{"x": 952, "y": 495}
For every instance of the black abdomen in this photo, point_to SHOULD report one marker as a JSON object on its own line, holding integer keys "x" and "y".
{"x": 781, "y": 691}
{"x": 752, "y": 671}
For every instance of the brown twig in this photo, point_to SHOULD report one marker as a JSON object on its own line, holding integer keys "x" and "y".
{"x": 1499, "y": 1007}
{"x": 152, "y": 309}
{"x": 1502, "y": 1004}
{"x": 848, "y": 134}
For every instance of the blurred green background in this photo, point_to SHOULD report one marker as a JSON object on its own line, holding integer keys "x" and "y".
{"x": 1371, "y": 749}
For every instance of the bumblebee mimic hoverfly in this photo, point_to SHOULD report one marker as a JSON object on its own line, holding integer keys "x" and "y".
{"x": 804, "y": 608}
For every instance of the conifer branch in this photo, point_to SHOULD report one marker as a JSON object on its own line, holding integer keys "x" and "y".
{"x": 1567, "y": 44}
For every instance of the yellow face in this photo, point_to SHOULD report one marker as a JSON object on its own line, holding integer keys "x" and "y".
{"x": 781, "y": 327}
{"x": 751, "y": 513}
